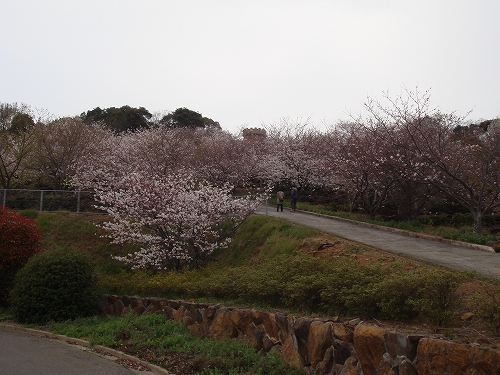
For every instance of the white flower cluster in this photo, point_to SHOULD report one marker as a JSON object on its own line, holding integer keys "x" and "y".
{"x": 174, "y": 218}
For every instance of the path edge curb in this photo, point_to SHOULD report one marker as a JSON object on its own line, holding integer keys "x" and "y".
{"x": 85, "y": 344}
{"x": 407, "y": 232}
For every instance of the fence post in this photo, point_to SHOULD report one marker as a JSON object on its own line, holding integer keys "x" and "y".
{"x": 4, "y": 197}
{"x": 78, "y": 203}
{"x": 41, "y": 200}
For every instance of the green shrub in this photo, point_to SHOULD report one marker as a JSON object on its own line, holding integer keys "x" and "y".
{"x": 20, "y": 239}
{"x": 369, "y": 290}
{"x": 304, "y": 292}
{"x": 486, "y": 304}
{"x": 263, "y": 283}
{"x": 438, "y": 295}
{"x": 393, "y": 296}
{"x": 345, "y": 285}
{"x": 304, "y": 279}
{"x": 403, "y": 295}
{"x": 55, "y": 285}
{"x": 460, "y": 219}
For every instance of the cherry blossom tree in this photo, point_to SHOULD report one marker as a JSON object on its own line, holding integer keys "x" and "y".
{"x": 17, "y": 142}
{"x": 362, "y": 166}
{"x": 465, "y": 166}
{"x": 387, "y": 155}
{"x": 296, "y": 155}
{"x": 410, "y": 193}
{"x": 16, "y": 149}
{"x": 176, "y": 219}
{"x": 103, "y": 161}
{"x": 157, "y": 151}
{"x": 253, "y": 165}
{"x": 169, "y": 209}
{"x": 221, "y": 158}
{"x": 160, "y": 151}
{"x": 61, "y": 144}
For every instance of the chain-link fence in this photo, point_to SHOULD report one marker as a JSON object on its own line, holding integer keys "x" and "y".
{"x": 48, "y": 200}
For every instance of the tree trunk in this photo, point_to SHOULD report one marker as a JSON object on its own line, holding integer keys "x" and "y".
{"x": 477, "y": 218}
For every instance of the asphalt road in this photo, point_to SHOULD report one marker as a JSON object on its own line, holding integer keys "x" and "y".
{"x": 452, "y": 254}
{"x": 24, "y": 352}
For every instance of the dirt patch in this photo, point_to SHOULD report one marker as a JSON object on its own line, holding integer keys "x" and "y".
{"x": 338, "y": 247}
{"x": 174, "y": 363}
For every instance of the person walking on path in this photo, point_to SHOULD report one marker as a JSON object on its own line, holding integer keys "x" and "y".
{"x": 294, "y": 197}
{"x": 280, "y": 197}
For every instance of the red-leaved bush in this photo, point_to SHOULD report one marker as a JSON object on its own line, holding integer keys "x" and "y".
{"x": 20, "y": 239}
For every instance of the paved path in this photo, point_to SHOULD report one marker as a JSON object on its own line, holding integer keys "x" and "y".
{"x": 25, "y": 351}
{"x": 453, "y": 254}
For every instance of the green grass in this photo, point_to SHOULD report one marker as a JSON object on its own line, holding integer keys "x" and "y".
{"x": 80, "y": 232}
{"x": 265, "y": 237}
{"x": 140, "y": 335}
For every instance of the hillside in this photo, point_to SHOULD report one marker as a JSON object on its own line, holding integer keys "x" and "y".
{"x": 249, "y": 272}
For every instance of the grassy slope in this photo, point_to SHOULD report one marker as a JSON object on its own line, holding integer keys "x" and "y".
{"x": 257, "y": 257}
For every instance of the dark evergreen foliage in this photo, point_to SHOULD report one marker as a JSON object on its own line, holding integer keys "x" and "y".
{"x": 55, "y": 285}
{"x": 121, "y": 119}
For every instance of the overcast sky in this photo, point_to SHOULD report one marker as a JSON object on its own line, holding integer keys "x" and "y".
{"x": 252, "y": 62}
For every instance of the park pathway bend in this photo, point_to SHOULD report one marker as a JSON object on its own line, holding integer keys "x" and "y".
{"x": 452, "y": 254}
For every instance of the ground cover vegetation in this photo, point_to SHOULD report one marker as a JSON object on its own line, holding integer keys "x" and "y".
{"x": 170, "y": 345}
{"x": 273, "y": 264}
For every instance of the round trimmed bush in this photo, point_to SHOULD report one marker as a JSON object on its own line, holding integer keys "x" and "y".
{"x": 55, "y": 285}
{"x": 20, "y": 239}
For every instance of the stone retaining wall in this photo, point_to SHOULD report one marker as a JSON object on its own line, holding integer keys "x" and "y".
{"x": 320, "y": 346}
